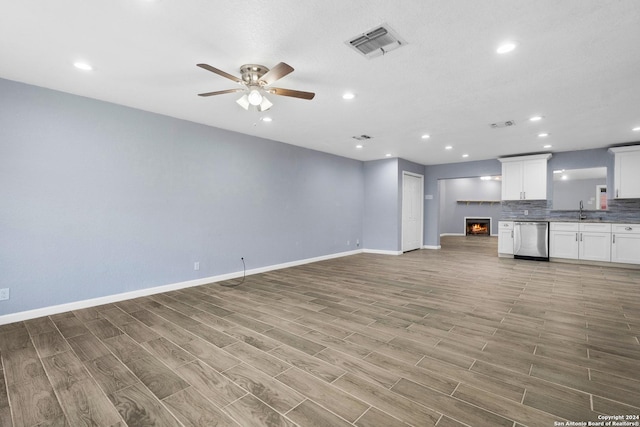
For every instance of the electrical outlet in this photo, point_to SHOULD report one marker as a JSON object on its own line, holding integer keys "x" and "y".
{"x": 526, "y": 212}
{"x": 357, "y": 243}
{"x": 348, "y": 242}
{"x": 196, "y": 265}
{"x": 4, "y": 294}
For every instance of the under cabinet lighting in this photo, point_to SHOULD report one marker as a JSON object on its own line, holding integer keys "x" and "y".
{"x": 348, "y": 96}
{"x": 359, "y": 146}
{"x": 636, "y": 129}
{"x": 425, "y": 136}
{"x": 535, "y": 118}
{"x": 546, "y": 146}
{"x": 465, "y": 155}
{"x": 448, "y": 147}
{"x": 388, "y": 155}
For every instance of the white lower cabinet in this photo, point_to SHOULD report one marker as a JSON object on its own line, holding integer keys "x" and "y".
{"x": 584, "y": 241}
{"x": 564, "y": 240}
{"x": 505, "y": 237}
{"x": 595, "y": 246}
{"x": 625, "y": 243}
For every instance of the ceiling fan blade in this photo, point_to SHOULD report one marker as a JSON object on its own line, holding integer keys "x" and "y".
{"x": 276, "y": 73}
{"x": 220, "y": 92}
{"x": 219, "y": 72}
{"x": 291, "y": 92}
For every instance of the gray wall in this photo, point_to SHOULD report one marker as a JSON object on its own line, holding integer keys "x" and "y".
{"x": 381, "y": 211}
{"x": 100, "y": 199}
{"x": 433, "y": 175}
{"x": 382, "y": 224}
{"x": 453, "y": 213}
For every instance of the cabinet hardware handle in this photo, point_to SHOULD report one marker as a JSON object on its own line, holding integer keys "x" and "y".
{"x": 616, "y": 193}
{"x": 614, "y": 238}
{"x": 512, "y": 234}
{"x": 576, "y": 237}
{"x": 628, "y": 228}
{"x": 581, "y": 237}
{"x": 524, "y": 195}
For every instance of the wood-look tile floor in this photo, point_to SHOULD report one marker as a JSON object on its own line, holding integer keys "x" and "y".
{"x": 448, "y": 338}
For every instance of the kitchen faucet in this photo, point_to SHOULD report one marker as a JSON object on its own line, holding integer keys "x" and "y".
{"x": 582, "y": 216}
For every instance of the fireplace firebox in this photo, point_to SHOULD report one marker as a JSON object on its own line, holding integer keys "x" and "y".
{"x": 478, "y": 226}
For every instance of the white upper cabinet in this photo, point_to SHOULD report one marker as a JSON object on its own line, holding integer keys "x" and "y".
{"x": 626, "y": 172}
{"x": 524, "y": 177}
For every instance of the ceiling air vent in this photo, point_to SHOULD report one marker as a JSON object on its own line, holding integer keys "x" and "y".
{"x": 376, "y": 42}
{"x": 503, "y": 124}
{"x": 361, "y": 137}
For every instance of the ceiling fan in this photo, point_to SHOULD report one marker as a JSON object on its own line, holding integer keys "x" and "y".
{"x": 256, "y": 81}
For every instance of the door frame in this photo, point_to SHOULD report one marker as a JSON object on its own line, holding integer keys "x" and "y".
{"x": 421, "y": 204}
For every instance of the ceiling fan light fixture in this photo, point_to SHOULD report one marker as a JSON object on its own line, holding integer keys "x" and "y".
{"x": 244, "y": 102}
{"x": 265, "y": 104}
{"x": 256, "y": 81}
{"x": 255, "y": 97}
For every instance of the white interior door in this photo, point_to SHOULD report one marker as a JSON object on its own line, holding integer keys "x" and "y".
{"x": 412, "y": 189}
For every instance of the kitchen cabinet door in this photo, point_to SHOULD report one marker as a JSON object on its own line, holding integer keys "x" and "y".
{"x": 564, "y": 244}
{"x": 505, "y": 237}
{"x": 595, "y": 246}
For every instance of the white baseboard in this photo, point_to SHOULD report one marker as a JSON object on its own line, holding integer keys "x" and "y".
{"x": 381, "y": 252}
{"x": 432, "y": 247}
{"x": 77, "y": 305}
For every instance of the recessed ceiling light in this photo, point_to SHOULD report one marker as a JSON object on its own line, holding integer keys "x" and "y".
{"x": 266, "y": 119}
{"x": 348, "y": 95}
{"x": 485, "y": 178}
{"x": 636, "y": 129}
{"x": 543, "y": 135}
{"x": 448, "y": 147}
{"x": 83, "y": 66}
{"x": 506, "y": 47}
{"x": 546, "y": 146}
{"x": 425, "y": 136}
{"x": 465, "y": 155}
{"x": 565, "y": 177}
{"x": 535, "y": 118}
{"x": 359, "y": 146}
{"x": 388, "y": 155}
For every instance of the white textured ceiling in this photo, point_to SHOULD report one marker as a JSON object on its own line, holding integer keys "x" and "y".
{"x": 577, "y": 64}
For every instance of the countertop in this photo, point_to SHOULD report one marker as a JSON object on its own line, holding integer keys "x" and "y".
{"x": 573, "y": 219}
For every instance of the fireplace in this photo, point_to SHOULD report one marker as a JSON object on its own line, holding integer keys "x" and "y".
{"x": 478, "y": 226}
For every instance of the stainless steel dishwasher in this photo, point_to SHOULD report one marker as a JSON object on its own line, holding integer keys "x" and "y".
{"x": 531, "y": 240}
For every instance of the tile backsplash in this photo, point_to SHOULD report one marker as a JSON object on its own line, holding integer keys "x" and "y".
{"x": 620, "y": 210}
